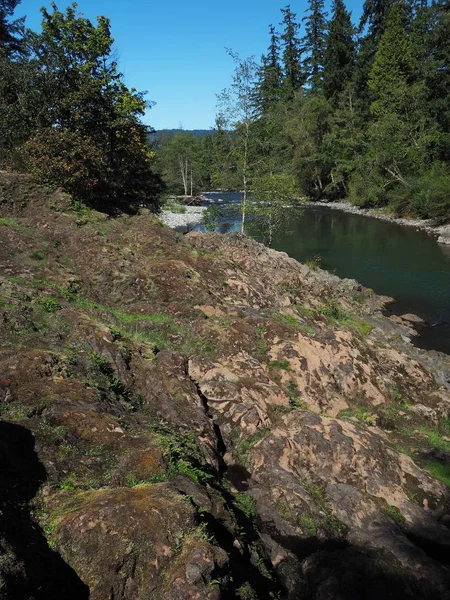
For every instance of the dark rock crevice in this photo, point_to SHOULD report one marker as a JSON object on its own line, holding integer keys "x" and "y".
{"x": 31, "y": 569}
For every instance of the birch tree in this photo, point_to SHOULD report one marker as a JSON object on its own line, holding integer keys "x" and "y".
{"x": 236, "y": 106}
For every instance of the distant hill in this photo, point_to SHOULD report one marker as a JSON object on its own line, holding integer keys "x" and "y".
{"x": 167, "y": 133}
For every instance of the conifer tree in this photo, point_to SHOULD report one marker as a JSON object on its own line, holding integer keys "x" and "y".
{"x": 392, "y": 68}
{"x": 293, "y": 75}
{"x": 339, "y": 53}
{"x": 314, "y": 43}
{"x": 9, "y": 30}
{"x": 270, "y": 76}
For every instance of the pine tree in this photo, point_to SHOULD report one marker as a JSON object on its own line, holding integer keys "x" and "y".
{"x": 435, "y": 60}
{"x": 293, "y": 75}
{"x": 314, "y": 43}
{"x": 392, "y": 69}
{"x": 339, "y": 53}
{"x": 9, "y": 30}
{"x": 374, "y": 17}
{"x": 372, "y": 25}
{"x": 270, "y": 76}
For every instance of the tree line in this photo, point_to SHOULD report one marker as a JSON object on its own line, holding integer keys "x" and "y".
{"x": 343, "y": 111}
{"x": 66, "y": 114}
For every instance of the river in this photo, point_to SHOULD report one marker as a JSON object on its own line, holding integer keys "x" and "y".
{"x": 392, "y": 259}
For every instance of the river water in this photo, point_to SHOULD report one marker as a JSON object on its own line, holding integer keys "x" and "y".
{"x": 392, "y": 259}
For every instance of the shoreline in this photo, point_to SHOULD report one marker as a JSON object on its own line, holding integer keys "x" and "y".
{"x": 441, "y": 232}
{"x": 193, "y": 215}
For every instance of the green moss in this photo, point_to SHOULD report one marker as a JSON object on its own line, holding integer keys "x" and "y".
{"x": 436, "y": 439}
{"x": 393, "y": 513}
{"x": 289, "y": 321}
{"x": 358, "y": 325}
{"x": 439, "y": 470}
{"x": 358, "y": 412}
{"x": 279, "y": 364}
{"x": 136, "y": 317}
{"x": 304, "y": 310}
{"x": 11, "y": 223}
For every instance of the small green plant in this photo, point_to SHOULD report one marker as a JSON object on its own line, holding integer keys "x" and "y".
{"x": 241, "y": 447}
{"x": 314, "y": 263}
{"x": 245, "y": 592}
{"x": 100, "y": 362}
{"x": 247, "y": 504}
{"x": 49, "y": 304}
{"x": 68, "y": 485}
{"x": 182, "y": 454}
{"x": 308, "y": 524}
{"x": 38, "y": 255}
{"x": 279, "y": 364}
{"x": 393, "y": 513}
{"x": 173, "y": 206}
{"x": 294, "y": 396}
{"x": 332, "y": 310}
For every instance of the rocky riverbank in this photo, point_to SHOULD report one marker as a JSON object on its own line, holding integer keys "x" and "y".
{"x": 201, "y": 417}
{"x": 191, "y": 216}
{"x": 442, "y": 232}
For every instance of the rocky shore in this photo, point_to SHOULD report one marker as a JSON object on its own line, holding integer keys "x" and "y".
{"x": 201, "y": 417}
{"x": 442, "y": 232}
{"x": 192, "y": 216}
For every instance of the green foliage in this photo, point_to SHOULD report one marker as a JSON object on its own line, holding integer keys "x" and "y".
{"x": 365, "y": 119}
{"x": 279, "y": 364}
{"x": 211, "y": 217}
{"x": 77, "y": 124}
{"x": 245, "y": 502}
{"x": 439, "y": 470}
{"x": 332, "y": 310}
{"x": 270, "y": 210}
{"x": 49, "y": 305}
{"x": 393, "y": 513}
{"x": 182, "y": 454}
{"x": 246, "y": 592}
{"x": 242, "y": 447}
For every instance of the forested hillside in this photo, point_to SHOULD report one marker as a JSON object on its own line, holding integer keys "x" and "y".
{"x": 348, "y": 111}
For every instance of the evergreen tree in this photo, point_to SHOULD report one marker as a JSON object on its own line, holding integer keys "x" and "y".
{"x": 292, "y": 70}
{"x": 372, "y": 25}
{"x": 392, "y": 69}
{"x": 9, "y": 30}
{"x": 339, "y": 53}
{"x": 374, "y": 17}
{"x": 270, "y": 76}
{"x": 435, "y": 61}
{"x": 314, "y": 43}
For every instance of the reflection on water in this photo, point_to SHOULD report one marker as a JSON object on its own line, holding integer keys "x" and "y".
{"x": 392, "y": 259}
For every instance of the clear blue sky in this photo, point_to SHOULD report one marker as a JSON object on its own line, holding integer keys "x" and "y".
{"x": 175, "y": 49}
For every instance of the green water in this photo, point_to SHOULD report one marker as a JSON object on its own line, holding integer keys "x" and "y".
{"x": 393, "y": 260}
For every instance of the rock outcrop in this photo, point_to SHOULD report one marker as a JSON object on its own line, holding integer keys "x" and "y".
{"x": 202, "y": 417}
